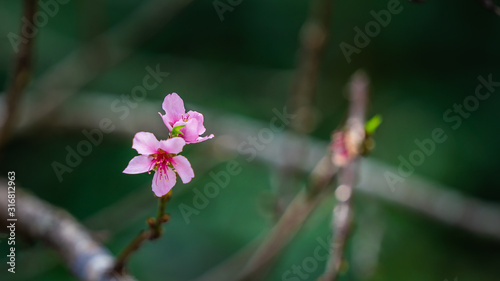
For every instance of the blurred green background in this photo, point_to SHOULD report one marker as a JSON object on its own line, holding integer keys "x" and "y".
{"x": 427, "y": 59}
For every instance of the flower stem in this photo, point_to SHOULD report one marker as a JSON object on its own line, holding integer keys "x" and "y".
{"x": 154, "y": 232}
{"x": 161, "y": 217}
{"x": 123, "y": 257}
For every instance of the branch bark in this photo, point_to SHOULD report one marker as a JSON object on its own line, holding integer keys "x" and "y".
{"x": 87, "y": 259}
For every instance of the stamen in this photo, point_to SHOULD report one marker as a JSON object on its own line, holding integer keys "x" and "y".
{"x": 161, "y": 163}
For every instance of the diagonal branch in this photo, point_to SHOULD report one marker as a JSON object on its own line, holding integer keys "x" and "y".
{"x": 86, "y": 258}
{"x": 290, "y": 222}
{"x": 22, "y": 71}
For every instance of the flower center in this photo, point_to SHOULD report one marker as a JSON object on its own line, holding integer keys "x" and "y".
{"x": 162, "y": 160}
{"x": 185, "y": 117}
{"x": 161, "y": 164}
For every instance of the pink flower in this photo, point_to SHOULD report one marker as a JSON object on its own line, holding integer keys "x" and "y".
{"x": 340, "y": 151}
{"x": 160, "y": 156}
{"x": 191, "y": 122}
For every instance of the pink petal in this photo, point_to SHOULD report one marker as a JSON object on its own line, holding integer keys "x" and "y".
{"x": 174, "y": 108}
{"x": 145, "y": 143}
{"x": 139, "y": 164}
{"x": 163, "y": 181}
{"x": 183, "y": 168}
{"x": 190, "y": 131}
{"x": 166, "y": 121}
{"x": 200, "y": 139}
{"x": 199, "y": 117}
{"x": 173, "y": 145}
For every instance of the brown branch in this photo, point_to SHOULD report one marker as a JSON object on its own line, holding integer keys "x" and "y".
{"x": 313, "y": 38}
{"x": 85, "y": 257}
{"x": 154, "y": 232}
{"x": 290, "y": 222}
{"x": 353, "y": 138}
{"x": 280, "y": 236}
{"x": 22, "y": 71}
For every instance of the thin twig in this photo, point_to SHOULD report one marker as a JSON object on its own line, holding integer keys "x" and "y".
{"x": 134, "y": 245}
{"x": 154, "y": 232}
{"x": 313, "y": 38}
{"x": 22, "y": 70}
{"x": 161, "y": 217}
{"x": 353, "y": 138}
{"x": 85, "y": 257}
